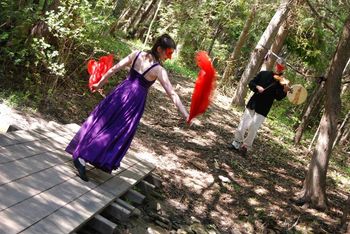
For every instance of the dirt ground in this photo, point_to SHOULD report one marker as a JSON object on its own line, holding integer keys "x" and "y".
{"x": 205, "y": 183}
{"x": 203, "y": 178}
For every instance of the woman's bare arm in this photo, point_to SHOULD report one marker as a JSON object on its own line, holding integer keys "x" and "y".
{"x": 165, "y": 82}
{"x": 121, "y": 64}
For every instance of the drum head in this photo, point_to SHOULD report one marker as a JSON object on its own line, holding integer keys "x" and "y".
{"x": 297, "y": 95}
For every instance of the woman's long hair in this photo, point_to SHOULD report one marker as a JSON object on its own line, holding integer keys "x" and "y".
{"x": 164, "y": 42}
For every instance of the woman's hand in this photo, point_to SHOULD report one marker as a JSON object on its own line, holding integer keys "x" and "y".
{"x": 96, "y": 87}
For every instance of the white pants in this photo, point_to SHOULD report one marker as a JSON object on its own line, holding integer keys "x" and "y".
{"x": 250, "y": 121}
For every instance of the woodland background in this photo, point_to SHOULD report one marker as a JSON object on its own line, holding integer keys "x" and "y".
{"x": 45, "y": 46}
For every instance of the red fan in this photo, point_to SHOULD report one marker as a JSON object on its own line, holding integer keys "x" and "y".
{"x": 204, "y": 85}
{"x": 98, "y": 69}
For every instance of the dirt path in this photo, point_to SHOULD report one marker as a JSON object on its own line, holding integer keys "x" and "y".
{"x": 205, "y": 179}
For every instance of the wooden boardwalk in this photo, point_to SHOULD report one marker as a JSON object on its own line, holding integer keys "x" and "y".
{"x": 39, "y": 189}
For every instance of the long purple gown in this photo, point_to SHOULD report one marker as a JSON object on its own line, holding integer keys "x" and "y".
{"x": 106, "y": 135}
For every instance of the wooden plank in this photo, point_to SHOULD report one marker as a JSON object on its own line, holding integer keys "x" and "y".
{"x": 28, "y": 149}
{"x": 25, "y": 135}
{"x": 134, "y": 196}
{"x": 102, "y": 225}
{"x": 5, "y": 140}
{"x": 18, "y": 169}
{"x": 48, "y": 202}
{"x": 116, "y": 212}
{"x": 17, "y": 191}
{"x": 55, "y": 134}
{"x": 154, "y": 179}
{"x": 73, "y": 215}
{"x": 125, "y": 204}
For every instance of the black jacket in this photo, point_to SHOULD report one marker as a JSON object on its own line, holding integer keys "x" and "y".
{"x": 262, "y": 102}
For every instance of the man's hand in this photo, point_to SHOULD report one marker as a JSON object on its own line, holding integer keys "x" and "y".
{"x": 260, "y": 89}
{"x": 286, "y": 88}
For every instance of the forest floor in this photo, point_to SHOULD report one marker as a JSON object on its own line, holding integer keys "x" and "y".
{"x": 209, "y": 188}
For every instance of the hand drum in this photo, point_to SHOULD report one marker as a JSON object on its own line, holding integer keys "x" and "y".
{"x": 297, "y": 94}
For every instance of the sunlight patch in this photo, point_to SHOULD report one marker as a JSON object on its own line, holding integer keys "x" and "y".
{"x": 261, "y": 191}
{"x": 253, "y": 201}
{"x": 196, "y": 180}
{"x": 178, "y": 204}
{"x": 280, "y": 189}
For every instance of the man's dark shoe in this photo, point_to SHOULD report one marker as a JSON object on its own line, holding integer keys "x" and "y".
{"x": 243, "y": 150}
{"x": 81, "y": 170}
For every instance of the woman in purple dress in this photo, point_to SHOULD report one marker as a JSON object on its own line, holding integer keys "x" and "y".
{"x": 106, "y": 135}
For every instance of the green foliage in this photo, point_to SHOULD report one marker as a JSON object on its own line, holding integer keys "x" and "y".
{"x": 178, "y": 68}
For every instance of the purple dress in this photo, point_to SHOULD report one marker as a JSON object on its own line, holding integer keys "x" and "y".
{"x": 106, "y": 135}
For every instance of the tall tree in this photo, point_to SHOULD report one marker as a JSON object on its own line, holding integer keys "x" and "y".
{"x": 314, "y": 190}
{"x": 277, "y": 46}
{"x": 309, "y": 110}
{"x": 257, "y": 56}
{"x": 142, "y": 17}
{"x": 238, "y": 47}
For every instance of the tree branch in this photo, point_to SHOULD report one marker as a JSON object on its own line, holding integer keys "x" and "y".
{"x": 314, "y": 11}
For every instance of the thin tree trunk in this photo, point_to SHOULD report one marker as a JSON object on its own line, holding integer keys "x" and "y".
{"x": 141, "y": 30}
{"x": 142, "y": 18}
{"x": 133, "y": 17}
{"x": 315, "y": 100}
{"x": 341, "y": 129}
{"x": 238, "y": 47}
{"x": 119, "y": 8}
{"x": 346, "y": 135}
{"x": 314, "y": 11}
{"x": 216, "y": 34}
{"x": 314, "y": 138}
{"x": 117, "y": 24}
{"x": 257, "y": 56}
{"x": 314, "y": 190}
{"x": 150, "y": 26}
{"x": 345, "y": 228}
{"x": 277, "y": 46}
{"x": 44, "y": 9}
{"x": 40, "y": 28}
{"x": 54, "y": 5}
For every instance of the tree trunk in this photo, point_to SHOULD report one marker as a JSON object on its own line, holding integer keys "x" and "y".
{"x": 40, "y": 28}
{"x": 345, "y": 228}
{"x": 257, "y": 56}
{"x": 238, "y": 47}
{"x": 133, "y": 17}
{"x": 313, "y": 139}
{"x": 44, "y": 9}
{"x": 341, "y": 129}
{"x": 216, "y": 34}
{"x": 150, "y": 26}
{"x": 315, "y": 100}
{"x": 116, "y": 24}
{"x": 141, "y": 30}
{"x": 54, "y": 5}
{"x": 345, "y": 136}
{"x": 119, "y": 7}
{"x": 276, "y": 46}
{"x": 142, "y": 18}
{"x": 314, "y": 190}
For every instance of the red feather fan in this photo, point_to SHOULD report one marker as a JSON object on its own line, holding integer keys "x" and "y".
{"x": 98, "y": 69}
{"x": 204, "y": 85}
